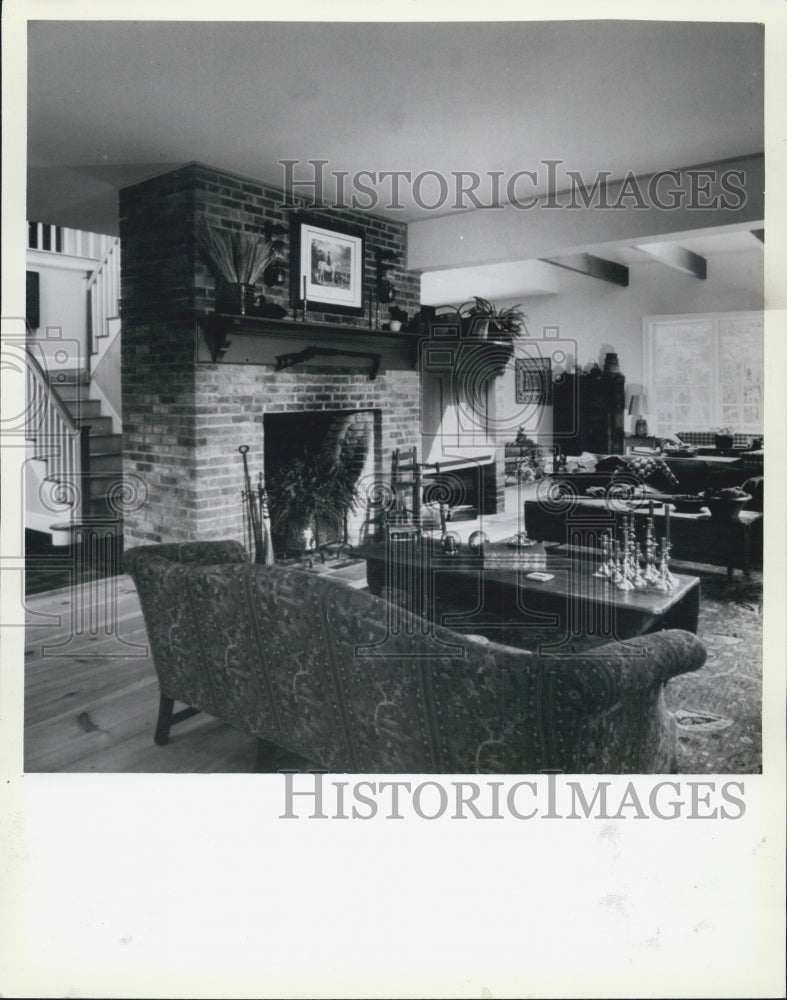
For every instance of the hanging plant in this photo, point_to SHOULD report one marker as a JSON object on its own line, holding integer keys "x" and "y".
{"x": 509, "y": 321}
{"x": 480, "y": 318}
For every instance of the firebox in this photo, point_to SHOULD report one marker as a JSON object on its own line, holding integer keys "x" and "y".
{"x": 319, "y": 467}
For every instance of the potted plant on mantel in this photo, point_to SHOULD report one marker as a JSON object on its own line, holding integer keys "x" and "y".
{"x": 237, "y": 259}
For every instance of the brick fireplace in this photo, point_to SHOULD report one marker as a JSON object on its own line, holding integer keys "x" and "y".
{"x": 187, "y": 409}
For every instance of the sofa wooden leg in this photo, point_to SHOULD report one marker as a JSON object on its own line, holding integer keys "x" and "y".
{"x": 167, "y": 718}
{"x": 164, "y": 721}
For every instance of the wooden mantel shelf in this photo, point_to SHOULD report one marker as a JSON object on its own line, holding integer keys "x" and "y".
{"x": 284, "y": 343}
{"x": 218, "y": 329}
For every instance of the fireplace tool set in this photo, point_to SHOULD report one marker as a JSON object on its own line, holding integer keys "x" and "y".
{"x": 625, "y": 565}
{"x": 255, "y": 516}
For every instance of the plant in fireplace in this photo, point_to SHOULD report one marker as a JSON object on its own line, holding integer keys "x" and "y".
{"x": 310, "y": 496}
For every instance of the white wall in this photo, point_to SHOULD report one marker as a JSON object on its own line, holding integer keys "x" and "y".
{"x": 62, "y": 330}
{"x": 593, "y": 317}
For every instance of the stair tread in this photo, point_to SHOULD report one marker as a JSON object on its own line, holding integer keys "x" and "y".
{"x": 64, "y": 377}
{"x": 85, "y": 408}
{"x": 100, "y": 421}
{"x": 69, "y": 390}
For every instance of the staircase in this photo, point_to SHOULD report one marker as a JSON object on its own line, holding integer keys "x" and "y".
{"x": 103, "y": 476}
{"x": 75, "y": 482}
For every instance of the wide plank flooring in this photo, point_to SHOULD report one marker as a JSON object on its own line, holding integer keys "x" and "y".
{"x": 91, "y": 694}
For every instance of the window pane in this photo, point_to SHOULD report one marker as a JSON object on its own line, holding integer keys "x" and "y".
{"x": 707, "y": 372}
{"x": 752, "y": 395}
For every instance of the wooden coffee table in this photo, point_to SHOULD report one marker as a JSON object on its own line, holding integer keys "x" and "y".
{"x": 459, "y": 591}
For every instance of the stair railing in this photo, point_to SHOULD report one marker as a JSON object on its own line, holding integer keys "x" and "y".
{"x": 103, "y": 295}
{"x": 57, "y": 439}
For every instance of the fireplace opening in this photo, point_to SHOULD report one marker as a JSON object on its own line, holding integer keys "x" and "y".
{"x": 314, "y": 465}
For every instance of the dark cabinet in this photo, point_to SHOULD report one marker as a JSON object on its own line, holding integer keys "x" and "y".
{"x": 587, "y": 412}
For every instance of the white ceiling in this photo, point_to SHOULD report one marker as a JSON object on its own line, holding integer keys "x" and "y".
{"x": 110, "y": 103}
{"x": 535, "y": 277}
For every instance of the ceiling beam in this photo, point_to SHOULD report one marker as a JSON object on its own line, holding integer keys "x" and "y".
{"x": 576, "y": 220}
{"x": 677, "y": 257}
{"x": 594, "y": 267}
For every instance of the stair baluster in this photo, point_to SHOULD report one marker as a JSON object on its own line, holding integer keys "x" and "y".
{"x": 56, "y": 437}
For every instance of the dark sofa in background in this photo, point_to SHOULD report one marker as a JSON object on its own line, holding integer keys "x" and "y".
{"x": 693, "y": 475}
{"x": 699, "y": 531}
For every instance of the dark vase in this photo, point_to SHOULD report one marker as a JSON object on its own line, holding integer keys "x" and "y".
{"x": 727, "y": 509}
{"x": 234, "y": 298}
{"x": 723, "y": 442}
{"x": 476, "y": 327}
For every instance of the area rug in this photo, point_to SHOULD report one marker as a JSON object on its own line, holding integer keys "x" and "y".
{"x": 718, "y": 708}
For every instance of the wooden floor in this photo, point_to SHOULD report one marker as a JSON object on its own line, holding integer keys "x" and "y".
{"x": 91, "y": 694}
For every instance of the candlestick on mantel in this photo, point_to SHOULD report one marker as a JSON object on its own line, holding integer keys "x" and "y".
{"x": 650, "y": 510}
{"x": 666, "y": 521}
{"x": 304, "y": 298}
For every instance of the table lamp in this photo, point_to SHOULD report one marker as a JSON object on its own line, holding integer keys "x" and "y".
{"x": 638, "y": 407}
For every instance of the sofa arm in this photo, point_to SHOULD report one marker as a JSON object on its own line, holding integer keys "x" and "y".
{"x": 601, "y": 677}
{"x": 200, "y": 553}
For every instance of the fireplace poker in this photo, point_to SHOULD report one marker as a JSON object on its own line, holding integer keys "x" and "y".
{"x": 256, "y": 527}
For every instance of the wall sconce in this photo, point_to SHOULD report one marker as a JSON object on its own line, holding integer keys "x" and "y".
{"x": 386, "y": 261}
{"x": 275, "y": 274}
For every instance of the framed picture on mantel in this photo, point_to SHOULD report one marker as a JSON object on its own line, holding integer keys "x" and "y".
{"x": 327, "y": 265}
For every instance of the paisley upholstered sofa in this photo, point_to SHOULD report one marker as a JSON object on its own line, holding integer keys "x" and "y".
{"x": 353, "y": 683}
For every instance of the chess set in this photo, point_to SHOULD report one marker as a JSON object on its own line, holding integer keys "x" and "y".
{"x": 628, "y": 566}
